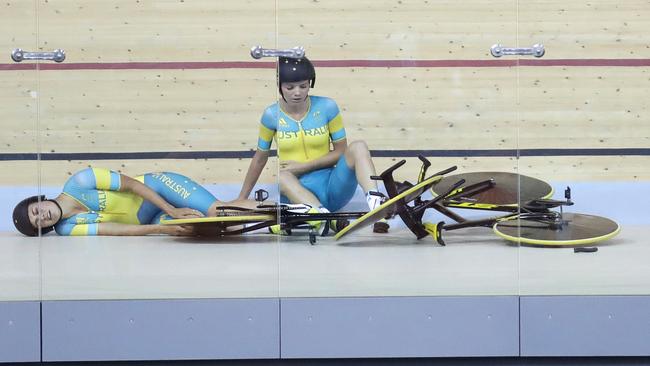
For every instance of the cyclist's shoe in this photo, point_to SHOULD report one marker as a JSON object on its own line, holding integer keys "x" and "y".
{"x": 295, "y": 208}
{"x": 338, "y": 224}
{"x": 318, "y": 226}
{"x": 278, "y": 230}
{"x": 324, "y": 227}
{"x": 376, "y": 199}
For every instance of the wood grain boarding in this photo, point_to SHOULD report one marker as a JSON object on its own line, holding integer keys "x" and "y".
{"x": 176, "y": 110}
{"x": 151, "y": 30}
{"x": 411, "y": 29}
{"x": 233, "y": 171}
{"x": 391, "y": 108}
{"x": 203, "y": 171}
{"x": 148, "y": 30}
{"x": 157, "y": 110}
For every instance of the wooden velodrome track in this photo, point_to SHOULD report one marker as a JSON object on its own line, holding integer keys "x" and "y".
{"x": 176, "y": 76}
{"x": 102, "y": 105}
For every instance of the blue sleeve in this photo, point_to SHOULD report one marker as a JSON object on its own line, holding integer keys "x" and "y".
{"x": 331, "y": 108}
{"x": 84, "y": 224}
{"x": 335, "y": 121}
{"x": 268, "y": 127}
{"x": 93, "y": 178}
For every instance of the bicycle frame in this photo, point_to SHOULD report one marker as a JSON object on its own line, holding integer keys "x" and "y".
{"x": 460, "y": 197}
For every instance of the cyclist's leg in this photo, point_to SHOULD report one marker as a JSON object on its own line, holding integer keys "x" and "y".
{"x": 357, "y": 157}
{"x": 181, "y": 191}
{"x": 341, "y": 185}
{"x": 310, "y": 188}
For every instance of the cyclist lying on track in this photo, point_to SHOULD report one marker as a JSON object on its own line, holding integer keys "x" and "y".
{"x": 103, "y": 202}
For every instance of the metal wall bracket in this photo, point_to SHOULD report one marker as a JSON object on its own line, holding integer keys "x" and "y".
{"x": 258, "y": 52}
{"x": 498, "y": 50}
{"x": 19, "y": 55}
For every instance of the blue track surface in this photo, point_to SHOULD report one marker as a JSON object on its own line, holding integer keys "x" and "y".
{"x": 625, "y": 202}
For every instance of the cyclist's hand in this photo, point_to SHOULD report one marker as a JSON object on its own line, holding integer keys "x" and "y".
{"x": 294, "y": 167}
{"x": 178, "y": 230}
{"x": 184, "y": 213}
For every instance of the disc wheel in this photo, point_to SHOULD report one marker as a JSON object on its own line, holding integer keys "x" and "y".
{"x": 509, "y": 188}
{"x": 575, "y": 230}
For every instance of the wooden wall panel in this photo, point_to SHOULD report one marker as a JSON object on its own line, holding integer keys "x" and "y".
{"x": 156, "y": 30}
{"x": 456, "y": 108}
{"x": 445, "y": 29}
{"x": 233, "y": 171}
{"x": 418, "y": 108}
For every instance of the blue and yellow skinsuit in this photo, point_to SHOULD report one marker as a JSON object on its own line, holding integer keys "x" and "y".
{"x": 98, "y": 191}
{"x": 309, "y": 139}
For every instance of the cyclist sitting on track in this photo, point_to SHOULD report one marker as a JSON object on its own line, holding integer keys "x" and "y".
{"x": 310, "y": 171}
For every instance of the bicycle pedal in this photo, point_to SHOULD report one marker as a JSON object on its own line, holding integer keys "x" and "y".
{"x": 380, "y": 227}
{"x": 261, "y": 195}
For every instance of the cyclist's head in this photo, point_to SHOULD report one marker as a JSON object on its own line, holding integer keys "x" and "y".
{"x": 295, "y": 70}
{"x": 34, "y": 213}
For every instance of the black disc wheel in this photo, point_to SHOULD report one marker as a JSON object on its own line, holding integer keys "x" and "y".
{"x": 508, "y": 188}
{"x": 571, "y": 230}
